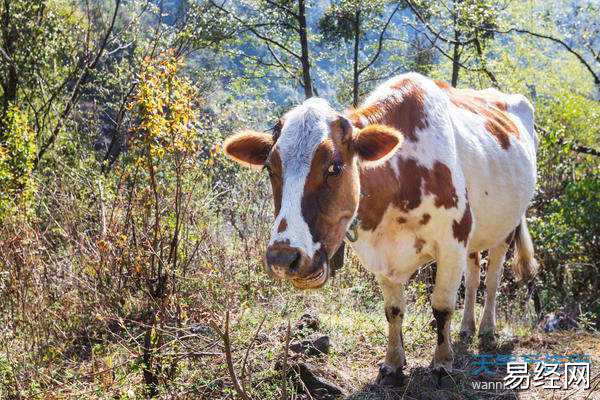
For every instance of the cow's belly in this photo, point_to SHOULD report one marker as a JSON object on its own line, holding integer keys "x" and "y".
{"x": 500, "y": 184}
{"x": 395, "y": 250}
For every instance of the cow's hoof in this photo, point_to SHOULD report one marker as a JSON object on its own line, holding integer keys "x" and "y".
{"x": 388, "y": 376}
{"x": 442, "y": 365}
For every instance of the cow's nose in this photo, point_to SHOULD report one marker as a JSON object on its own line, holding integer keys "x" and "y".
{"x": 286, "y": 258}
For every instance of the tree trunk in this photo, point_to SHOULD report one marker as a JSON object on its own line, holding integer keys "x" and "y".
{"x": 456, "y": 53}
{"x": 308, "y": 89}
{"x": 356, "y": 85}
{"x": 9, "y": 86}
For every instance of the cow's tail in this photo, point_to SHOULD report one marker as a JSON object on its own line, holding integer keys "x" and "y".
{"x": 525, "y": 266}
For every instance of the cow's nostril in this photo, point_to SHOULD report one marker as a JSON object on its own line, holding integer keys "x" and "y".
{"x": 287, "y": 258}
{"x": 294, "y": 264}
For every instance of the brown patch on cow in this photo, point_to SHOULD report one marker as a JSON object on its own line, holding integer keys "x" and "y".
{"x": 425, "y": 219}
{"x": 419, "y": 244}
{"x": 488, "y": 105}
{"x": 486, "y": 193}
{"x": 282, "y": 226}
{"x": 329, "y": 200}
{"x": 391, "y": 313}
{"x": 401, "y": 220}
{"x": 276, "y": 178}
{"x": 473, "y": 255}
{"x": 438, "y": 181}
{"x": 405, "y": 191}
{"x": 442, "y": 84}
{"x": 462, "y": 228}
{"x": 405, "y": 112}
{"x": 440, "y": 184}
{"x": 441, "y": 318}
{"x": 408, "y": 196}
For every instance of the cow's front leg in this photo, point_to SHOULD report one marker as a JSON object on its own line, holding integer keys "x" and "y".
{"x": 450, "y": 268}
{"x": 390, "y": 372}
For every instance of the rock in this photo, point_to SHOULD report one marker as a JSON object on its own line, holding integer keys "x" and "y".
{"x": 308, "y": 321}
{"x": 319, "y": 388}
{"x": 557, "y": 321}
{"x": 312, "y": 346}
{"x": 201, "y": 329}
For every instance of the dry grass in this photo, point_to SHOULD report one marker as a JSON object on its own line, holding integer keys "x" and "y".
{"x": 76, "y": 311}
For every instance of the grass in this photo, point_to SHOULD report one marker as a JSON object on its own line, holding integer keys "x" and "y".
{"x": 350, "y": 312}
{"x": 100, "y": 358}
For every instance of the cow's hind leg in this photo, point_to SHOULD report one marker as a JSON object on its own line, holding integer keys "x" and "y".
{"x": 390, "y": 372}
{"x": 492, "y": 281}
{"x": 451, "y": 265}
{"x": 467, "y": 328}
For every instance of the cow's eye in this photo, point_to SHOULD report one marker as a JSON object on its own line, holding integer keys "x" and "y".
{"x": 335, "y": 168}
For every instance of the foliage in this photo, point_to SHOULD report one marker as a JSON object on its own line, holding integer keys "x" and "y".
{"x": 566, "y": 226}
{"x": 124, "y": 246}
{"x": 17, "y": 153}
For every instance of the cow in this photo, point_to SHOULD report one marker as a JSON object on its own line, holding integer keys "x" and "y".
{"x": 424, "y": 171}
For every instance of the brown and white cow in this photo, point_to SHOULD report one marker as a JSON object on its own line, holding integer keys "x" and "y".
{"x": 430, "y": 173}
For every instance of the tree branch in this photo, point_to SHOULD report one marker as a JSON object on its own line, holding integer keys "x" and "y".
{"x": 380, "y": 41}
{"x": 283, "y": 8}
{"x": 595, "y": 75}
{"x": 575, "y": 147}
{"x": 76, "y": 89}
{"x": 227, "y": 345}
{"x": 433, "y": 31}
{"x": 255, "y": 32}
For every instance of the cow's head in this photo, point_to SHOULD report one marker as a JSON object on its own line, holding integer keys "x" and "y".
{"x": 313, "y": 161}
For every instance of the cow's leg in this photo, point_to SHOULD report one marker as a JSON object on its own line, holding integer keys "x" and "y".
{"x": 390, "y": 372}
{"x": 492, "y": 281}
{"x": 467, "y": 328}
{"x": 451, "y": 264}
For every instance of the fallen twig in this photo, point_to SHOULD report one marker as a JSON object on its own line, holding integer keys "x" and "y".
{"x": 227, "y": 345}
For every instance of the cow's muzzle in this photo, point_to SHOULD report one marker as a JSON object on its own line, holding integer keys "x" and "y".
{"x": 285, "y": 261}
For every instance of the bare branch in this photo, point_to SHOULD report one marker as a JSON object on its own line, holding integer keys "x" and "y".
{"x": 433, "y": 31}
{"x": 76, "y": 89}
{"x": 244, "y": 369}
{"x": 283, "y": 8}
{"x": 575, "y": 147}
{"x": 595, "y": 75}
{"x": 380, "y": 41}
{"x": 227, "y": 345}
{"x": 255, "y": 32}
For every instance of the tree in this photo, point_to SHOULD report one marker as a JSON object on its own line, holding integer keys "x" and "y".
{"x": 281, "y": 32}
{"x": 349, "y": 21}
{"x": 574, "y": 28}
{"x": 35, "y": 36}
{"x": 472, "y": 23}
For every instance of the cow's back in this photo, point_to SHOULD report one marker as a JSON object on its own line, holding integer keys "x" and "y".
{"x": 496, "y": 146}
{"x": 463, "y": 150}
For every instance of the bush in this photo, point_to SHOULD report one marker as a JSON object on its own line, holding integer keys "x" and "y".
{"x": 17, "y": 155}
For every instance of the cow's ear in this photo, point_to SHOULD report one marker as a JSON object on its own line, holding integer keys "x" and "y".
{"x": 249, "y": 148}
{"x": 376, "y": 143}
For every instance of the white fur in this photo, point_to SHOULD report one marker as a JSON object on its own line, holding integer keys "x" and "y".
{"x": 306, "y": 126}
